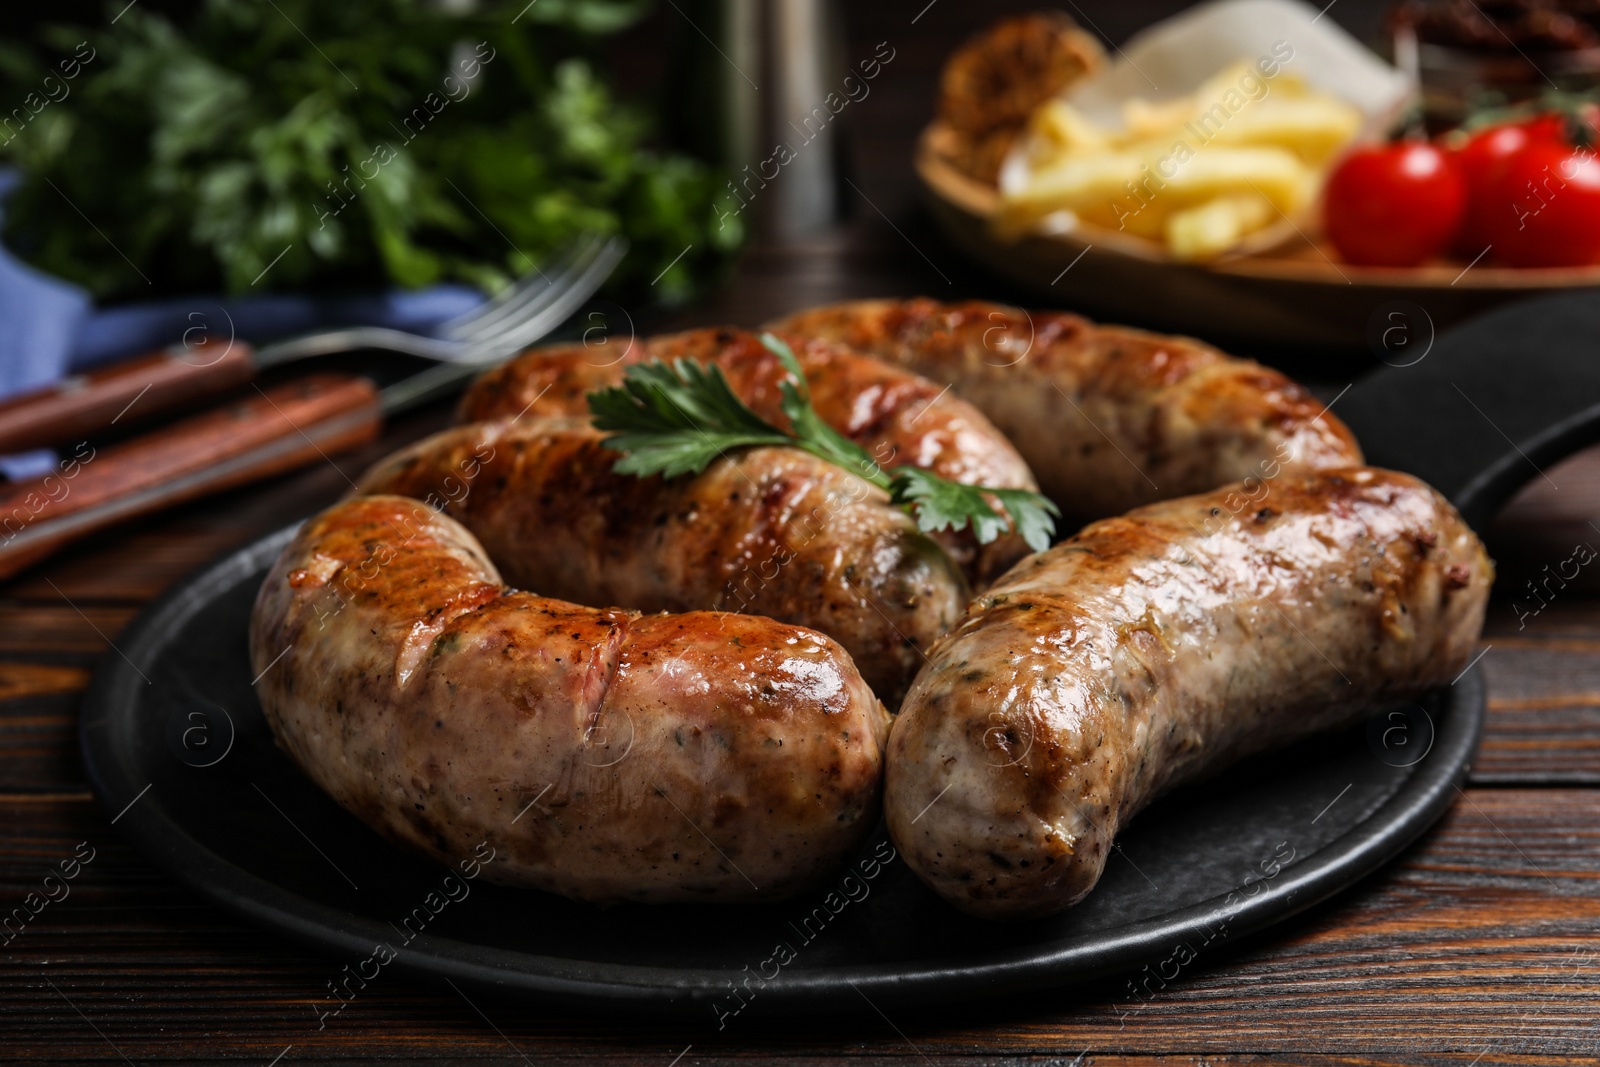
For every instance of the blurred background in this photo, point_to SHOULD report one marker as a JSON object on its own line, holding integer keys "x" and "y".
{"x": 632, "y": 114}
{"x": 190, "y": 189}
{"x": 190, "y": 182}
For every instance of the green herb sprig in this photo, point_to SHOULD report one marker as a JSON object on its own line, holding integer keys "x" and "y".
{"x": 675, "y": 419}
{"x": 414, "y": 142}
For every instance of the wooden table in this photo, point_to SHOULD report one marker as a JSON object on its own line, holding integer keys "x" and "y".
{"x": 1480, "y": 944}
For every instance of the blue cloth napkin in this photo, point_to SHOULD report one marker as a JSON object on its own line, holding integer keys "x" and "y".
{"x": 105, "y": 334}
{"x": 50, "y": 328}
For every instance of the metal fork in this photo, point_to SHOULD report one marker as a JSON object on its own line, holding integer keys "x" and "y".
{"x": 152, "y": 384}
{"x": 525, "y": 312}
{"x": 286, "y": 426}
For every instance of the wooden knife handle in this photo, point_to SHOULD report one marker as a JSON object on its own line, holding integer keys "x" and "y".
{"x": 276, "y": 430}
{"x": 87, "y": 404}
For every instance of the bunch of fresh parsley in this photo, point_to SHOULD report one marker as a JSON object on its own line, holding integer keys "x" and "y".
{"x": 674, "y": 420}
{"x": 219, "y": 153}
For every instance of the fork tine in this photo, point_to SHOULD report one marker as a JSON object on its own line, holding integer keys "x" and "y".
{"x": 531, "y": 302}
{"x": 574, "y": 290}
{"x": 569, "y": 275}
{"x": 454, "y": 328}
{"x": 526, "y": 296}
{"x": 463, "y": 326}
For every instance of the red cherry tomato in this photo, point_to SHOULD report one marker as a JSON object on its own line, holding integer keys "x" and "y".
{"x": 1481, "y": 161}
{"x": 1589, "y": 116}
{"x": 1544, "y": 208}
{"x": 1394, "y": 205}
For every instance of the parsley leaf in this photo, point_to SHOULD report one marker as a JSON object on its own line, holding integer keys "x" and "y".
{"x": 419, "y": 142}
{"x": 674, "y": 420}
{"x": 1035, "y": 515}
{"x": 939, "y": 504}
{"x": 811, "y": 433}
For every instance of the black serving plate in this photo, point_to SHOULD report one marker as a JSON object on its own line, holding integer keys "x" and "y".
{"x": 187, "y": 765}
{"x": 180, "y": 754}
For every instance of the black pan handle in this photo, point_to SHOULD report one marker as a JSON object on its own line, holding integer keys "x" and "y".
{"x": 1492, "y": 404}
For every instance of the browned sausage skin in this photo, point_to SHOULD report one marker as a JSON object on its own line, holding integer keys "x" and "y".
{"x": 702, "y": 756}
{"x": 1107, "y": 417}
{"x": 765, "y": 531}
{"x": 1153, "y": 648}
{"x": 898, "y": 417}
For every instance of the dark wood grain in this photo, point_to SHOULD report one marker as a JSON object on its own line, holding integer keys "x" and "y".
{"x": 1485, "y": 940}
{"x": 1480, "y": 945}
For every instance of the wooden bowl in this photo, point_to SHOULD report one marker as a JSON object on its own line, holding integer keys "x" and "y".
{"x": 1294, "y": 294}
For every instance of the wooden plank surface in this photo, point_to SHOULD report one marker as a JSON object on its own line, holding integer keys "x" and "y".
{"x": 1483, "y": 939}
{"x": 1481, "y": 944}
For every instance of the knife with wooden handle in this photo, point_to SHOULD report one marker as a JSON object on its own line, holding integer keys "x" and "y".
{"x": 86, "y": 404}
{"x": 157, "y": 383}
{"x": 277, "y": 430}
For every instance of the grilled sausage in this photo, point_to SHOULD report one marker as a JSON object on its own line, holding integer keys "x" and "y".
{"x": 766, "y": 531}
{"x": 1153, "y": 648}
{"x": 1107, "y": 417}
{"x": 598, "y": 753}
{"x": 899, "y": 418}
